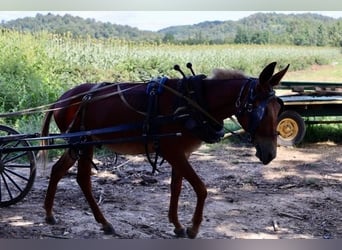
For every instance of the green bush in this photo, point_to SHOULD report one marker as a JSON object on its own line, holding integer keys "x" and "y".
{"x": 324, "y": 132}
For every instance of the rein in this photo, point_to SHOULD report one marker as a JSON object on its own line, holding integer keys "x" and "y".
{"x": 48, "y": 107}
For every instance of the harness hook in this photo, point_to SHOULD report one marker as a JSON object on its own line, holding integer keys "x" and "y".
{"x": 177, "y": 68}
{"x": 189, "y": 66}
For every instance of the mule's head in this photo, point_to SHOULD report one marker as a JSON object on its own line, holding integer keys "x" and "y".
{"x": 258, "y": 110}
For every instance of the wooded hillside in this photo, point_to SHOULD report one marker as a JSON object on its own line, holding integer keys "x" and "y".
{"x": 260, "y": 28}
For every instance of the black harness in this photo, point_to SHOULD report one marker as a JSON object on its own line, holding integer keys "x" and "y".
{"x": 150, "y": 127}
{"x": 190, "y": 109}
{"x": 196, "y": 119}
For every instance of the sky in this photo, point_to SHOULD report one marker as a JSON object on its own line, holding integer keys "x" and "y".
{"x": 155, "y": 20}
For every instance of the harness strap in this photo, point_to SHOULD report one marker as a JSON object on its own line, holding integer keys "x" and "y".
{"x": 153, "y": 90}
{"x": 81, "y": 114}
{"x": 123, "y": 99}
{"x": 81, "y": 109}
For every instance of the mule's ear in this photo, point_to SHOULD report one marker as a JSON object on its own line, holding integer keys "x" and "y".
{"x": 267, "y": 73}
{"x": 275, "y": 80}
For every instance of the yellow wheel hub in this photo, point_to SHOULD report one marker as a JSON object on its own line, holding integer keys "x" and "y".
{"x": 288, "y": 129}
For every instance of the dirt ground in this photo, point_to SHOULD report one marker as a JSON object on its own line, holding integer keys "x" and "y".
{"x": 298, "y": 195}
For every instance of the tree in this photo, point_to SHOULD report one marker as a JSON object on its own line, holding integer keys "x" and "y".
{"x": 321, "y": 36}
{"x": 168, "y": 38}
{"x": 261, "y": 37}
{"x": 241, "y": 36}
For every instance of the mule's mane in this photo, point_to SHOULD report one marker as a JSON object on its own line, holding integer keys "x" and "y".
{"x": 227, "y": 74}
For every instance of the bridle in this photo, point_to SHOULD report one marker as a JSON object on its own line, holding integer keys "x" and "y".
{"x": 247, "y": 105}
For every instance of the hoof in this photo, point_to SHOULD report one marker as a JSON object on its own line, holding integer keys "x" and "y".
{"x": 50, "y": 220}
{"x": 108, "y": 229}
{"x": 180, "y": 232}
{"x": 191, "y": 233}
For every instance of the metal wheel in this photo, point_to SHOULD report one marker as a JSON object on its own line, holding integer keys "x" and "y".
{"x": 291, "y": 128}
{"x": 17, "y": 169}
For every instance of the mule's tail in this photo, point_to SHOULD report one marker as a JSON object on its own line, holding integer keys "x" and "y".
{"x": 43, "y": 154}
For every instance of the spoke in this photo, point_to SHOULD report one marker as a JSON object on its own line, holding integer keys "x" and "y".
{"x": 17, "y": 166}
{"x": 16, "y": 174}
{"x": 13, "y": 182}
{"x": 5, "y": 145}
{"x": 14, "y": 157}
{"x": 6, "y": 185}
{"x": 11, "y": 146}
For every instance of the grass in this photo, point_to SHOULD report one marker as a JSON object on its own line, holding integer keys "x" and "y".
{"x": 331, "y": 72}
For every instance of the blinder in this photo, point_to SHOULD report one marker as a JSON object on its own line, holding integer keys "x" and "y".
{"x": 255, "y": 112}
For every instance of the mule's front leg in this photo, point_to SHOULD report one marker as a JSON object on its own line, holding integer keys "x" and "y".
{"x": 176, "y": 186}
{"x": 182, "y": 168}
{"x": 201, "y": 193}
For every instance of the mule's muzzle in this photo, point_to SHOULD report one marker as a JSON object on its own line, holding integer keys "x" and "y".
{"x": 264, "y": 154}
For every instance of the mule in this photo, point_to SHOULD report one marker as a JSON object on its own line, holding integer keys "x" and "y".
{"x": 191, "y": 109}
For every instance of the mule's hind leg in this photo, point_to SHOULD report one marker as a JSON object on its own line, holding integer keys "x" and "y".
{"x": 59, "y": 169}
{"x": 84, "y": 181}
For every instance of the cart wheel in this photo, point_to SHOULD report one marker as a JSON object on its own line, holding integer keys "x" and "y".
{"x": 291, "y": 128}
{"x": 17, "y": 169}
